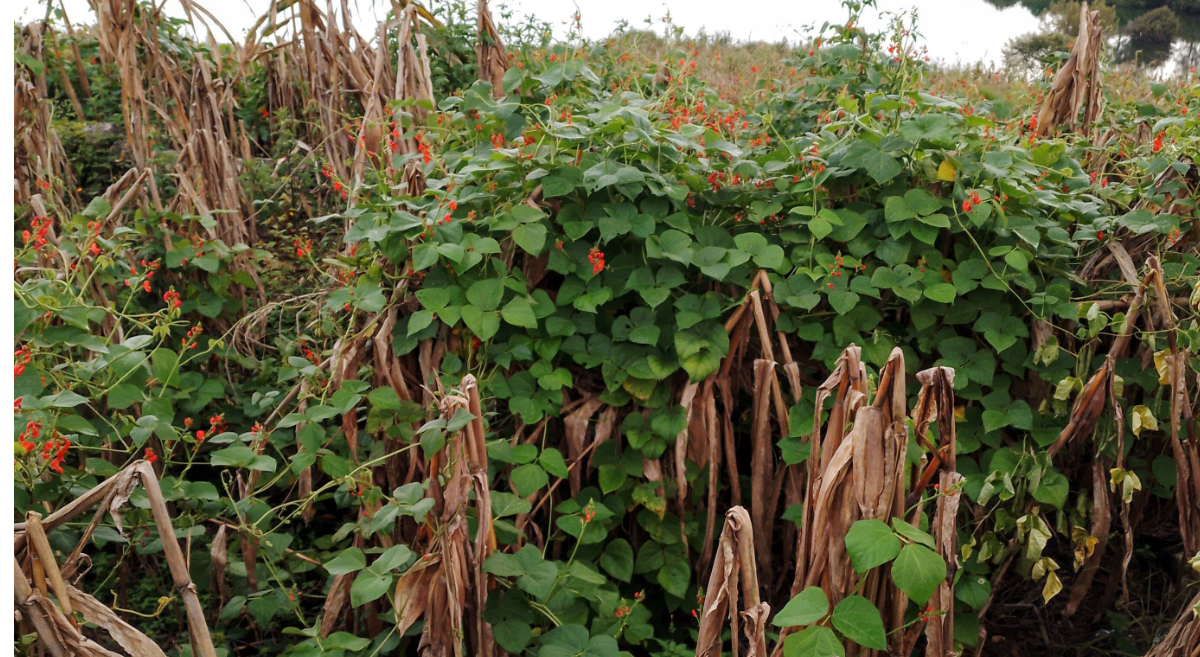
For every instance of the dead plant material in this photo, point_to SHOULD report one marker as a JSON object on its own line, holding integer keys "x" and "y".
{"x": 848, "y": 379}
{"x": 1101, "y": 521}
{"x": 447, "y": 586}
{"x": 129, "y": 637}
{"x": 60, "y": 636}
{"x": 1183, "y": 639}
{"x": 44, "y": 555}
{"x": 490, "y": 54}
{"x": 762, "y": 463}
{"x": 1076, "y": 87}
{"x": 575, "y": 426}
{"x": 733, "y": 569}
{"x": 1089, "y": 404}
{"x": 861, "y": 476}
{"x": 935, "y": 403}
{"x": 41, "y": 164}
{"x": 56, "y": 633}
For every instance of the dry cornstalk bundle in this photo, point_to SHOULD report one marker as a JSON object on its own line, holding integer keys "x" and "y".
{"x": 1089, "y": 407}
{"x": 733, "y": 570}
{"x": 705, "y": 435}
{"x": 41, "y": 165}
{"x": 490, "y": 54}
{"x": 208, "y": 168}
{"x": 57, "y": 633}
{"x": 1183, "y": 639}
{"x": 1077, "y": 85}
{"x": 447, "y": 586}
{"x": 56, "y": 628}
{"x": 413, "y": 80}
{"x": 1184, "y": 450}
{"x": 935, "y": 403}
{"x": 847, "y": 383}
{"x": 855, "y": 476}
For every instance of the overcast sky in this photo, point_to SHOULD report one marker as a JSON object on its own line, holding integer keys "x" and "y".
{"x": 954, "y": 30}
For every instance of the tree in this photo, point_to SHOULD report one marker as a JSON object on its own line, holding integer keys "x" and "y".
{"x": 1154, "y": 28}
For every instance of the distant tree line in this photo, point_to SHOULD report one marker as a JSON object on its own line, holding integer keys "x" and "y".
{"x": 1145, "y": 31}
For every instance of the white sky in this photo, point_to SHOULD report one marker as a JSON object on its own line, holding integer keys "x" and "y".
{"x": 954, "y": 30}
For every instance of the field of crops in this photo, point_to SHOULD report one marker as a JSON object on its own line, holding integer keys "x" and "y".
{"x": 457, "y": 339}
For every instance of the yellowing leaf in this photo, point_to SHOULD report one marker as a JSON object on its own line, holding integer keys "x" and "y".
{"x": 1143, "y": 419}
{"x": 1127, "y": 480}
{"x": 1052, "y": 587}
{"x": 1085, "y": 545}
{"x": 946, "y": 172}
{"x": 1164, "y": 369}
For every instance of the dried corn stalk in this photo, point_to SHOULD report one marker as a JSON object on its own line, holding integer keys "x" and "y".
{"x": 1077, "y": 85}
{"x": 847, "y": 384}
{"x": 1089, "y": 405}
{"x": 490, "y": 54}
{"x": 57, "y": 631}
{"x": 860, "y": 475}
{"x": 935, "y": 403}
{"x": 1183, "y": 639}
{"x": 39, "y": 158}
{"x": 1184, "y": 450}
{"x": 733, "y": 567}
{"x": 448, "y": 587}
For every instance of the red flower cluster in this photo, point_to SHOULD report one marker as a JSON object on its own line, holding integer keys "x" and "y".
{"x": 31, "y": 432}
{"x": 150, "y": 455}
{"x": 971, "y": 202}
{"x": 497, "y": 140}
{"x": 55, "y": 450}
{"x": 150, "y": 269}
{"x": 307, "y": 352}
{"x": 190, "y": 341}
{"x": 171, "y": 297}
{"x": 41, "y": 226}
{"x": 424, "y": 148}
{"x": 20, "y": 360}
{"x": 1158, "y": 142}
{"x": 596, "y": 257}
{"x": 303, "y": 248}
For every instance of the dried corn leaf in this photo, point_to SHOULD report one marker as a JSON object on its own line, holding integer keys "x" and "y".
{"x": 129, "y": 637}
{"x": 734, "y": 565}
